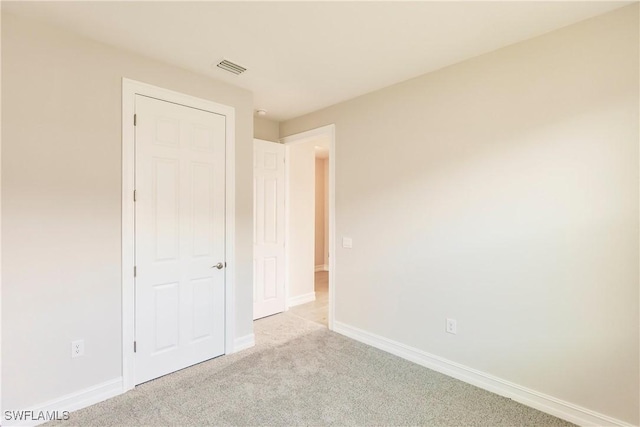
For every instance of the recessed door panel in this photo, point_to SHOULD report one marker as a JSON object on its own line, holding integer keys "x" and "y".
{"x": 166, "y": 316}
{"x": 202, "y": 137}
{"x": 167, "y": 131}
{"x": 270, "y": 277}
{"x": 270, "y": 227}
{"x": 165, "y": 181}
{"x": 203, "y": 203}
{"x": 203, "y": 305}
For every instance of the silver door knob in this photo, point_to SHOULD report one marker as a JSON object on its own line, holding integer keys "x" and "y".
{"x": 218, "y": 266}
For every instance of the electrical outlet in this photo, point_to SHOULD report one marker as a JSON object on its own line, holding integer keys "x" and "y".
{"x": 452, "y": 326}
{"x": 347, "y": 242}
{"x": 77, "y": 348}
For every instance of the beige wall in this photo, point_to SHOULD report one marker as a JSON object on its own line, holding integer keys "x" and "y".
{"x": 320, "y": 213}
{"x": 266, "y": 129}
{"x": 301, "y": 207}
{"x": 61, "y": 190}
{"x": 502, "y": 192}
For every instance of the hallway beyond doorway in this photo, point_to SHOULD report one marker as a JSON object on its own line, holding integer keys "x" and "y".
{"x": 318, "y": 310}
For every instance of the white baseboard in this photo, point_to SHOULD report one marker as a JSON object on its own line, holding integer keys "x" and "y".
{"x": 545, "y": 403}
{"x": 70, "y": 402}
{"x": 301, "y": 299}
{"x": 243, "y": 343}
{"x": 323, "y": 267}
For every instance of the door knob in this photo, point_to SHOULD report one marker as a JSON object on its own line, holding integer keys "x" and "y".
{"x": 218, "y": 266}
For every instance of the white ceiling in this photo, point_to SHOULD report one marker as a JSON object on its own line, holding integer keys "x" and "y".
{"x": 303, "y": 56}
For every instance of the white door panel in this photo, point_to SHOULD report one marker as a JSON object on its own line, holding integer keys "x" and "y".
{"x": 268, "y": 229}
{"x": 180, "y": 232}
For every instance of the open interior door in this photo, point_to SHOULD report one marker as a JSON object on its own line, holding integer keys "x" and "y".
{"x": 268, "y": 228}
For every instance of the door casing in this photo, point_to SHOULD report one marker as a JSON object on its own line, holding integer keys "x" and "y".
{"x": 129, "y": 90}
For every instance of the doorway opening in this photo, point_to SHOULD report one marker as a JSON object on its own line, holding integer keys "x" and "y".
{"x": 310, "y": 224}
{"x": 316, "y": 310}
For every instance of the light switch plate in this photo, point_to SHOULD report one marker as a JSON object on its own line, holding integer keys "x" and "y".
{"x": 347, "y": 242}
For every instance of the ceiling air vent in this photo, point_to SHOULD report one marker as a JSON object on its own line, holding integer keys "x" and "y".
{"x": 231, "y": 67}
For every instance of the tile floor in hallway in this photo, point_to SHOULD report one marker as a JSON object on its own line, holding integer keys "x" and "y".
{"x": 318, "y": 310}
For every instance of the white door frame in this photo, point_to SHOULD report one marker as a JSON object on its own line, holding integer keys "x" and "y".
{"x": 131, "y": 88}
{"x": 330, "y": 132}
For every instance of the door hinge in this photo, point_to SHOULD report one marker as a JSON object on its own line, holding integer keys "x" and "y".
{"x": 134, "y": 346}
{"x": 135, "y": 119}
{"x": 135, "y": 271}
{"x": 134, "y": 195}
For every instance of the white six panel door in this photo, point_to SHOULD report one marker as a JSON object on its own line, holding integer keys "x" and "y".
{"x": 180, "y": 234}
{"x": 268, "y": 228}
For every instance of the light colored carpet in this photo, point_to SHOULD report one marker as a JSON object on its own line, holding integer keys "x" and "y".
{"x": 300, "y": 373}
